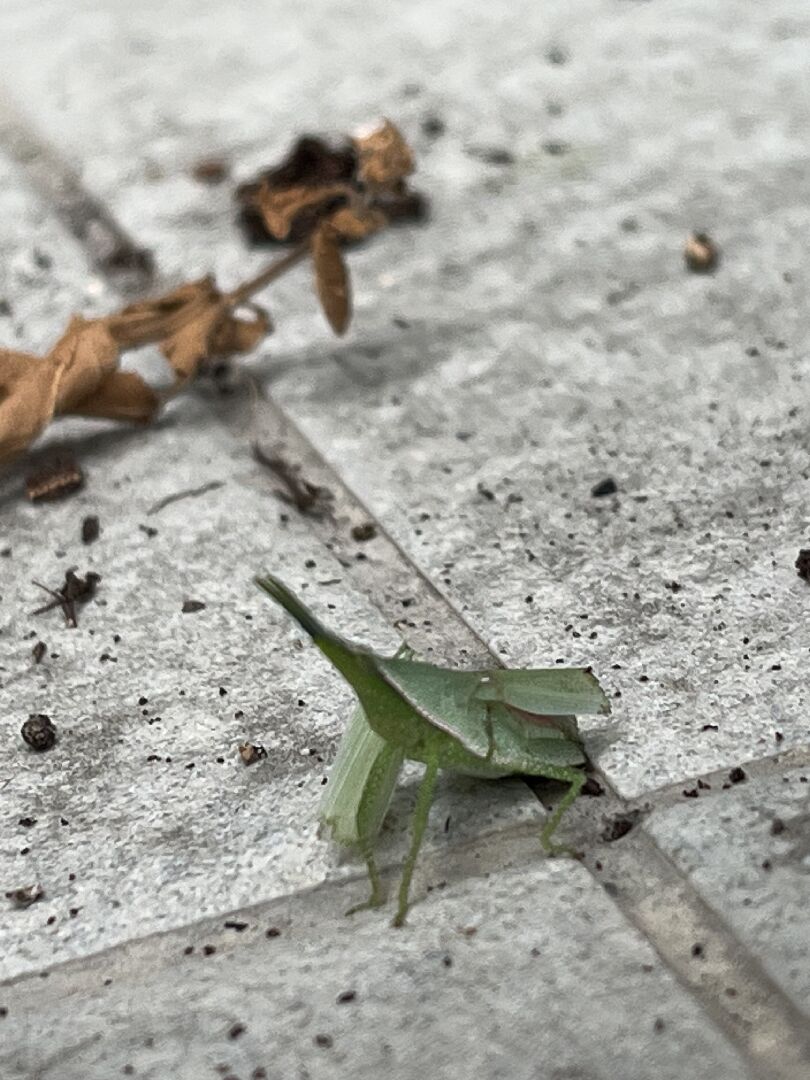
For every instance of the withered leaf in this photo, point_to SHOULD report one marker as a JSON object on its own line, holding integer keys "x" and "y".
{"x": 331, "y": 278}
{"x": 33, "y": 390}
{"x": 383, "y": 155}
{"x": 297, "y": 209}
{"x": 356, "y": 224}
{"x": 193, "y": 323}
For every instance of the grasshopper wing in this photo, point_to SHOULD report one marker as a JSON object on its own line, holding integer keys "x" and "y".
{"x": 545, "y": 691}
{"x": 445, "y": 699}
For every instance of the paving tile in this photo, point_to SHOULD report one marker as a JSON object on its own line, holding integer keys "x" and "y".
{"x": 530, "y": 974}
{"x": 747, "y": 854}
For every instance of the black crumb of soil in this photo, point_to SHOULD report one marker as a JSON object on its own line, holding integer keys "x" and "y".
{"x": 273, "y": 931}
{"x": 777, "y": 826}
{"x": 803, "y": 564}
{"x": 608, "y": 486}
{"x": 366, "y": 531}
{"x": 346, "y": 997}
{"x": 235, "y": 924}
{"x": 39, "y": 732}
{"x": 619, "y": 826}
{"x": 737, "y": 775}
{"x": 323, "y": 1040}
{"x": 90, "y": 529}
{"x": 236, "y": 1030}
{"x": 38, "y": 652}
{"x": 592, "y": 787}
{"x": 190, "y": 606}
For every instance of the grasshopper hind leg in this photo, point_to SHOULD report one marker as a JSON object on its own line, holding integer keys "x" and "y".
{"x": 424, "y": 798}
{"x": 377, "y": 897}
{"x": 575, "y": 780}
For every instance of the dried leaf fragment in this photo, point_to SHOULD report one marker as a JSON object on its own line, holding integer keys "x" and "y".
{"x": 25, "y": 896}
{"x": 297, "y": 209}
{"x": 384, "y": 156}
{"x": 331, "y": 278}
{"x": 193, "y": 323}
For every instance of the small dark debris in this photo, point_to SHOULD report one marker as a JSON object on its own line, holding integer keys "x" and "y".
{"x": 777, "y": 826}
{"x": 557, "y": 56}
{"x": 91, "y": 529}
{"x": 25, "y": 896}
{"x": 299, "y": 492}
{"x": 211, "y": 171}
{"x": 620, "y": 826}
{"x": 673, "y": 586}
{"x": 710, "y": 727}
{"x": 691, "y": 793}
{"x": 492, "y": 155}
{"x": 74, "y": 591}
{"x": 189, "y": 949}
{"x": 592, "y": 787}
{"x": 659, "y": 1024}
{"x": 272, "y": 931}
{"x": 433, "y": 126}
{"x": 803, "y": 564}
{"x": 366, "y": 531}
{"x": 608, "y": 486}
{"x": 701, "y": 253}
{"x": 485, "y": 492}
{"x": 39, "y": 732}
{"x": 447, "y": 960}
{"x": 236, "y": 1030}
{"x": 56, "y": 480}
{"x": 38, "y": 652}
{"x": 778, "y": 736}
{"x": 27, "y": 822}
{"x": 235, "y": 924}
{"x": 190, "y": 606}
{"x": 556, "y": 149}
{"x": 3, "y": 1010}
{"x": 148, "y": 530}
{"x": 250, "y": 753}
{"x": 697, "y": 949}
{"x": 323, "y": 1040}
{"x": 209, "y": 950}
{"x": 737, "y": 775}
{"x": 346, "y": 997}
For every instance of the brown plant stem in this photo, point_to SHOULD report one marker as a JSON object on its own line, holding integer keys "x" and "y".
{"x": 270, "y": 273}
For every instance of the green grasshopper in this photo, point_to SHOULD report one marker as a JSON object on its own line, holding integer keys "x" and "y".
{"x": 491, "y": 723}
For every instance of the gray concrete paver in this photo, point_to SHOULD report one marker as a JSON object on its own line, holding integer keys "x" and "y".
{"x": 747, "y": 854}
{"x": 529, "y": 974}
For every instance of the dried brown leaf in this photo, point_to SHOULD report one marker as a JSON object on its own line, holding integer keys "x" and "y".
{"x": 121, "y": 395}
{"x": 356, "y": 224}
{"x": 331, "y": 278}
{"x": 193, "y": 323}
{"x": 33, "y": 390}
{"x": 293, "y": 211}
{"x": 383, "y": 155}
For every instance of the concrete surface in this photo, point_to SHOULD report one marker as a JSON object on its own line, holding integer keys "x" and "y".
{"x": 539, "y": 334}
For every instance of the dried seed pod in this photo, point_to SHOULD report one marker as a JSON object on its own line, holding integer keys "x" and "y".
{"x": 39, "y": 732}
{"x": 54, "y": 481}
{"x": 701, "y": 253}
